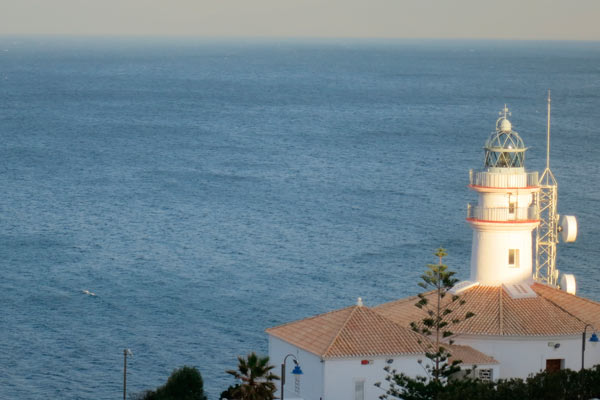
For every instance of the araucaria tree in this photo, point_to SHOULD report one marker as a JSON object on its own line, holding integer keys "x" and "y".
{"x": 256, "y": 379}
{"x": 439, "y": 305}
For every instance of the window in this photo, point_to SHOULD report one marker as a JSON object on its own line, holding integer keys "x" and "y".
{"x": 513, "y": 258}
{"x": 511, "y": 208}
{"x": 486, "y": 375}
{"x": 359, "y": 390}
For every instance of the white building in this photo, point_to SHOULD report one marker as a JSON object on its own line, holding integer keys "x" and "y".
{"x": 520, "y": 327}
{"x": 344, "y": 352}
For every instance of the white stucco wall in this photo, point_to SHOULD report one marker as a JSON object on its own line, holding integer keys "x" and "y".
{"x": 521, "y": 198}
{"x": 522, "y": 356}
{"x": 311, "y": 381}
{"x": 341, "y": 375}
{"x": 492, "y": 240}
{"x": 335, "y": 379}
{"x": 489, "y": 252}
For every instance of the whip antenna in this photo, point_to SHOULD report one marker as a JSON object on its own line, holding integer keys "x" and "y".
{"x": 547, "y": 231}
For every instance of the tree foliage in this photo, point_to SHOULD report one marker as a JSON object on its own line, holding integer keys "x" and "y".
{"x": 256, "y": 379}
{"x": 440, "y": 316}
{"x": 560, "y": 385}
{"x": 228, "y": 394}
{"x": 184, "y": 383}
{"x": 439, "y": 305}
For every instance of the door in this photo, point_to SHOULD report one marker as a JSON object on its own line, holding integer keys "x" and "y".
{"x": 553, "y": 365}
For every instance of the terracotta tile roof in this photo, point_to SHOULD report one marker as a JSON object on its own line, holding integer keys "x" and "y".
{"x": 356, "y": 331}
{"x": 469, "y": 355}
{"x": 552, "y": 312}
{"x": 361, "y": 332}
{"x": 585, "y": 310}
{"x": 313, "y": 334}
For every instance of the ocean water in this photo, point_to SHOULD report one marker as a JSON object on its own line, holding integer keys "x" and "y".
{"x": 207, "y": 190}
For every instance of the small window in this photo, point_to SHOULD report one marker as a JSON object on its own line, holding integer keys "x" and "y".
{"x": 511, "y": 208}
{"x": 513, "y": 258}
{"x": 486, "y": 375}
{"x": 359, "y": 390}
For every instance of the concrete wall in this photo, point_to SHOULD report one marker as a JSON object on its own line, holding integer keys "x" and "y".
{"x": 522, "y": 356}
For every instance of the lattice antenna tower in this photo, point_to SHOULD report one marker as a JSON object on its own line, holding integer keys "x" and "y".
{"x": 547, "y": 231}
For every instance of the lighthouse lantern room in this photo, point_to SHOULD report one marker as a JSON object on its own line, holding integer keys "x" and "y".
{"x": 506, "y": 212}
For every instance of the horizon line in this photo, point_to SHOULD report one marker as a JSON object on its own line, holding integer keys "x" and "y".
{"x": 293, "y": 38}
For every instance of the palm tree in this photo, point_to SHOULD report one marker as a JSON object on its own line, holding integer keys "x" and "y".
{"x": 256, "y": 378}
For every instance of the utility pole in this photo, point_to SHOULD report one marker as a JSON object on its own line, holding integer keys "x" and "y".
{"x": 125, "y": 353}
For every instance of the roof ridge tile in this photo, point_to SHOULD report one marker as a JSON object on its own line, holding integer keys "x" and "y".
{"x": 341, "y": 329}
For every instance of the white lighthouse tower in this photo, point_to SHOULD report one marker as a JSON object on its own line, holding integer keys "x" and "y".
{"x": 506, "y": 212}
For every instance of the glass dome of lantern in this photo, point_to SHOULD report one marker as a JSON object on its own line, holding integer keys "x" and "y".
{"x": 504, "y": 148}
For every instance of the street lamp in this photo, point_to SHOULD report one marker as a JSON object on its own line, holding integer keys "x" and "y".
{"x": 295, "y": 371}
{"x": 126, "y": 352}
{"x": 593, "y": 339}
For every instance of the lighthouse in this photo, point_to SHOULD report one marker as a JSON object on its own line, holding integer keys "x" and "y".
{"x": 506, "y": 212}
{"x": 524, "y": 320}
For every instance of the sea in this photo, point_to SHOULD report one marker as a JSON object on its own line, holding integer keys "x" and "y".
{"x": 178, "y": 196}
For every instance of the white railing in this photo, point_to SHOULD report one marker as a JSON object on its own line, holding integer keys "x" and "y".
{"x": 502, "y": 214}
{"x": 503, "y": 180}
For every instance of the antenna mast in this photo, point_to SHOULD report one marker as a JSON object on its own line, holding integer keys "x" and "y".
{"x": 547, "y": 231}
{"x": 548, "y": 135}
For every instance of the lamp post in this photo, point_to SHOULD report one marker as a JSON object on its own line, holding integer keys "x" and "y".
{"x": 126, "y": 352}
{"x": 296, "y": 371}
{"x": 593, "y": 339}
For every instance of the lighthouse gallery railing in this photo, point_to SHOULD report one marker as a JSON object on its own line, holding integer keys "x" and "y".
{"x": 503, "y": 180}
{"x": 502, "y": 214}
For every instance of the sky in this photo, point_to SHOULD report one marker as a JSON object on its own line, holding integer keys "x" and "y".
{"x": 478, "y": 19}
